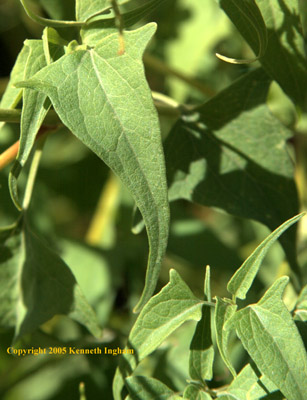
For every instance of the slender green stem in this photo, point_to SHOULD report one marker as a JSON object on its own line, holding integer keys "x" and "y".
{"x": 163, "y": 69}
{"x": 14, "y": 116}
{"x": 33, "y": 173}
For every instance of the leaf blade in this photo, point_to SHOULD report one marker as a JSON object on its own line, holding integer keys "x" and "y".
{"x": 130, "y": 143}
{"x": 243, "y": 278}
{"x": 268, "y": 333}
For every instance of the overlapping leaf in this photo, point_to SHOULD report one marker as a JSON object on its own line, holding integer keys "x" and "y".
{"x": 103, "y": 98}
{"x": 284, "y": 58}
{"x": 268, "y": 333}
{"x": 36, "y": 285}
{"x": 232, "y": 154}
{"x": 249, "y": 19}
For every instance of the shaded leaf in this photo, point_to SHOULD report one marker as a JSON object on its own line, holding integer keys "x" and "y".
{"x": 201, "y": 348}
{"x": 243, "y": 278}
{"x": 231, "y": 153}
{"x": 284, "y": 59}
{"x": 103, "y": 98}
{"x": 164, "y": 313}
{"x": 269, "y": 335}
{"x": 34, "y": 109}
{"x": 36, "y": 285}
{"x": 144, "y": 388}
{"x": 303, "y": 16}
{"x": 224, "y": 310}
{"x": 248, "y": 17}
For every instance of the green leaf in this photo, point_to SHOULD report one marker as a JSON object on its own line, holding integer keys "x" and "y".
{"x": 164, "y": 313}
{"x": 224, "y": 310}
{"x": 247, "y": 385}
{"x": 59, "y": 9}
{"x": 36, "y": 285}
{"x": 144, "y": 388}
{"x": 247, "y": 16}
{"x": 269, "y": 335}
{"x": 243, "y": 278}
{"x": 232, "y": 154}
{"x": 284, "y": 59}
{"x": 201, "y": 349}
{"x": 103, "y": 98}
{"x": 192, "y": 392}
{"x": 34, "y": 109}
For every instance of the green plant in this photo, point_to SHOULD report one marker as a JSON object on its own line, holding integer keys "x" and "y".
{"x": 229, "y": 145}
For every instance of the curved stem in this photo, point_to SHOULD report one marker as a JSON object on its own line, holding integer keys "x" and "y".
{"x": 14, "y": 116}
{"x": 33, "y": 173}
{"x": 49, "y": 22}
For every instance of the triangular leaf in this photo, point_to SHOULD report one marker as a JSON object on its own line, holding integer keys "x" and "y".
{"x": 103, "y": 98}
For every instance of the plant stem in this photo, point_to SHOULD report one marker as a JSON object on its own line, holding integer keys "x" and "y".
{"x": 10, "y": 154}
{"x": 99, "y": 231}
{"x": 14, "y": 116}
{"x": 162, "y": 68}
{"x": 33, "y": 173}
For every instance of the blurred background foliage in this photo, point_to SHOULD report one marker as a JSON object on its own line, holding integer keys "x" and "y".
{"x": 86, "y": 215}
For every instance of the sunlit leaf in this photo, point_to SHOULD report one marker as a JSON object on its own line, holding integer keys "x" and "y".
{"x": 103, "y": 98}
{"x": 242, "y": 280}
